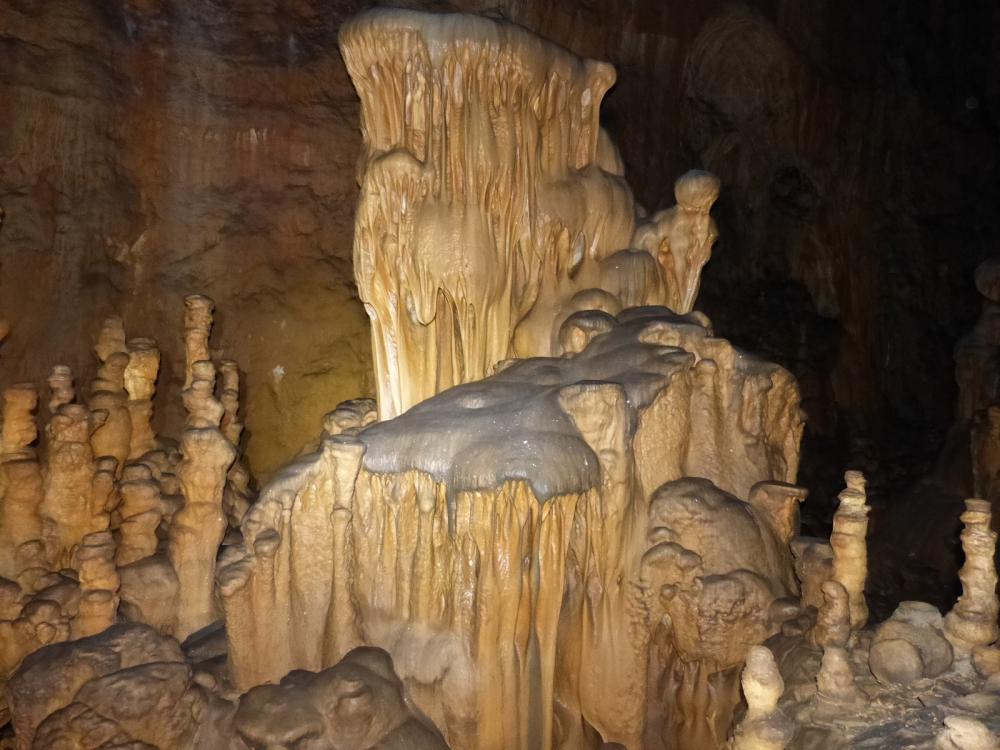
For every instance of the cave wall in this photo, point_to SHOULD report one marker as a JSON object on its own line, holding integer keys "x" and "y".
{"x": 151, "y": 148}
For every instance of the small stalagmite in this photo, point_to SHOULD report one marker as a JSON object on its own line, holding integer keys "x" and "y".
{"x": 113, "y": 435}
{"x": 835, "y": 681}
{"x": 111, "y": 339}
{"x": 231, "y": 426}
{"x": 19, "y": 430}
{"x": 197, "y": 328}
{"x": 140, "y": 384}
{"x": 198, "y": 528}
{"x": 833, "y": 621}
{"x": 61, "y": 387}
{"x": 141, "y": 513}
{"x": 69, "y": 483}
{"x": 972, "y": 621}
{"x": 850, "y": 551}
{"x": 99, "y": 582}
{"x": 765, "y": 726}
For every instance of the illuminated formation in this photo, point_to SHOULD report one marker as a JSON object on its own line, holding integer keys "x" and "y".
{"x": 574, "y": 526}
{"x": 107, "y": 519}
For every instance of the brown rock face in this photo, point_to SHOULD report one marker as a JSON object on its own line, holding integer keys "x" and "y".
{"x": 160, "y": 148}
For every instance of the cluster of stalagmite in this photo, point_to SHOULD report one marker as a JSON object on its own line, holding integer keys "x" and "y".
{"x": 530, "y": 541}
{"x": 492, "y": 203}
{"x": 100, "y": 519}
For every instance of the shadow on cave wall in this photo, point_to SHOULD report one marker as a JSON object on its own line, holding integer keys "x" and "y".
{"x": 857, "y": 147}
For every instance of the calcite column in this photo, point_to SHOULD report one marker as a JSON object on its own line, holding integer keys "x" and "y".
{"x": 61, "y": 387}
{"x": 850, "y": 551}
{"x": 199, "y": 527}
{"x": 972, "y": 621}
{"x": 197, "y": 328}
{"x": 140, "y": 384}
{"x": 99, "y": 582}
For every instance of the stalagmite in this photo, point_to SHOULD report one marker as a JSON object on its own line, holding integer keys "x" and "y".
{"x": 765, "y": 726}
{"x": 69, "y": 484}
{"x": 141, "y": 512}
{"x": 99, "y": 582}
{"x": 835, "y": 681}
{"x": 112, "y": 435}
{"x": 397, "y": 530}
{"x": 850, "y": 552}
{"x": 61, "y": 387}
{"x": 140, "y": 384}
{"x": 232, "y": 428}
{"x": 199, "y": 527}
{"x": 813, "y": 568}
{"x": 973, "y": 620}
{"x": 111, "y": 339}
{"x": 681, "y": 238}
{"x": 833, "y": 621}
{"x": 19, "y": 430}
{"x": 197, "y": 328}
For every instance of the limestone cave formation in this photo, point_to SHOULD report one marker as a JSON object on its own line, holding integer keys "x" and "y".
{"x": 532, "y": 376}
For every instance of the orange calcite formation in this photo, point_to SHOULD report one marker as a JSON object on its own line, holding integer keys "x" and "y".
{"x": 850, "y": 551}
{"x": 972, "y": 621}
{"x": 405, "y": 535}
{"x": 490, "y": 212}
{"x": 576, "y": 532}
{"x": 103, "y": 524}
